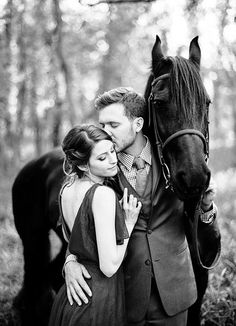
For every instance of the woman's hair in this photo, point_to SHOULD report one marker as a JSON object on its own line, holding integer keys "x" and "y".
{"x": 78, "y": 145}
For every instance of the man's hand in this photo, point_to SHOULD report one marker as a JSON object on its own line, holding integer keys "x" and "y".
{"x": 208, "y": 197}
{"x": 76, "y": 286}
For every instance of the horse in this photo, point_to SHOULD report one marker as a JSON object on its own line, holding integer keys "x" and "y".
{"x": 177, "y": 124}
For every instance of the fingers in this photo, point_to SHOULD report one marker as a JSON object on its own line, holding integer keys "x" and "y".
{"x": 74, "y": 295}
{"x": 139, "y": 206}
{"x": 212, "y": 187}
{"x": 130, "y": 201}
{"x": 76, "y": 287}
{"x": 85, "y": 272}
{"x": 208, "y": 197}
{"x": 75, "y": 292}
{"x": 83, "y": 284}
{"x": 69, "y": 296}
{"x": 134, "y": 202}
{"x": 125, "y": 198}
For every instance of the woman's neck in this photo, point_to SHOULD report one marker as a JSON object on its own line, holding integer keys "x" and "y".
{"x": 92, "y": 178}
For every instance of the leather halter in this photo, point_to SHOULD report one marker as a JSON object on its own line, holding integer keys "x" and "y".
{"x": 160, "y": 144}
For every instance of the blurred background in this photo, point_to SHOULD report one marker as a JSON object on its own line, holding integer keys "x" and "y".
{"x": 56, "y": 56}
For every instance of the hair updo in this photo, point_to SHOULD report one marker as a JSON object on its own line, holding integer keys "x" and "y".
{"x": 78, "y": 145}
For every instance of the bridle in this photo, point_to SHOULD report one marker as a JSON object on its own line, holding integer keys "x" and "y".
{"x": 162, "y": 145}
{"x": 165, "y": 169}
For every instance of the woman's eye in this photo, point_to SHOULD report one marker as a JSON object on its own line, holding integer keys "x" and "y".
{"x": 114, "y": 125}
{"x": 102, "y": 158}
{"x": 113, "y": 150}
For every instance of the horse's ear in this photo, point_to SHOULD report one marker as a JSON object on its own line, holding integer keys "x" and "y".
{"x": 156, "y": 51}
{"x": 195, "y": 51}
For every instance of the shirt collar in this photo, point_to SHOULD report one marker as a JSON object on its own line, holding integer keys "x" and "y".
{"x": 127, "y": 159}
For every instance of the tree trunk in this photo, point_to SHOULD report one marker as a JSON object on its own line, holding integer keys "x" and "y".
{"x": 63, "y": 65}
{"x": 36, "y": 125}
{"x": 10, "y": 68}
{"x": 21, "y": 98}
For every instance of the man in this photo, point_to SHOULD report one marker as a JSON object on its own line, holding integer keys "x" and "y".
{"x": 159, "y": 279}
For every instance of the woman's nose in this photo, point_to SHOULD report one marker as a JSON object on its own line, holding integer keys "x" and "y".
{"x": 113, "y": 158}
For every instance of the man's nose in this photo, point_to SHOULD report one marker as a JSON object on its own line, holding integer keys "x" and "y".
{"x": 106, "y": 128}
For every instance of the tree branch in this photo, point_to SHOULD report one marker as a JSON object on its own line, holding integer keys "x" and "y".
{"x": 113, "y": 2}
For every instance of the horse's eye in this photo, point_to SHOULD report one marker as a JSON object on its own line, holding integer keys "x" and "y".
{"x": 159, "y": 103}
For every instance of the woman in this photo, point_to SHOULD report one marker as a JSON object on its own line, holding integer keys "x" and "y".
{"x": 100, "y": 228}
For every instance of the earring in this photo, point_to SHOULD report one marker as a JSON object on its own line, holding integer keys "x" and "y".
{"x": 65, "y": 167}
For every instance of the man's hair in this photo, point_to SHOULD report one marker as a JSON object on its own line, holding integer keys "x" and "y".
{"x": 133, "y": 102}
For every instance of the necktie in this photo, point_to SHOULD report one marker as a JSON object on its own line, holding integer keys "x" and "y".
{"x": 141, "y": 176}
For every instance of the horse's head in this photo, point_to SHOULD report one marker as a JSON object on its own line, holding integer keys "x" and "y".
{"x": 178, "y": 120}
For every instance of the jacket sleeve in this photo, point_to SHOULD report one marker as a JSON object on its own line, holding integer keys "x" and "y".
{"x": 204, "y": 240}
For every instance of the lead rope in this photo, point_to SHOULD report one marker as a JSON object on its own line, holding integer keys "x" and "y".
{"x": 195, "y": 241}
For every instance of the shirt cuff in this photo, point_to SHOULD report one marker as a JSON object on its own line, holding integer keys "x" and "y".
{"x": 209, "y": 217}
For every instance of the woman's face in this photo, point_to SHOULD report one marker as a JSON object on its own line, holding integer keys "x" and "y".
{"x": 103, "y": 160}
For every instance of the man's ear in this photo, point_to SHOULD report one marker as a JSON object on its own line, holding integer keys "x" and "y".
{"x": 139, "y": 123}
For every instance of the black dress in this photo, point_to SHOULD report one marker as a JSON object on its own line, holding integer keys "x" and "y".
{"x": 106, "y": 306}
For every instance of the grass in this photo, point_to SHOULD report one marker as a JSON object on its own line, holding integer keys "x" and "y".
{"x": 11, "y": 260}
{"x": 219, "y": 307}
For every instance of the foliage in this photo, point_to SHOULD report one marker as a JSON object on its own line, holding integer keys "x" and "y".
{"x": 56, "y": 56}
{"x": 219, "y": 306}
{"x": 11, "y": 258}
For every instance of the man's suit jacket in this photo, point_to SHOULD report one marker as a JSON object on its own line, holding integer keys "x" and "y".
{"x": 158, "y": 249}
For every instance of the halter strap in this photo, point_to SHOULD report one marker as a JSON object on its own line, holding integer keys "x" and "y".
{"x": 184, "y": 132}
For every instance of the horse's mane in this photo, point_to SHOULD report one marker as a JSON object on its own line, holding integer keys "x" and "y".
{"x": 186, "y": 86}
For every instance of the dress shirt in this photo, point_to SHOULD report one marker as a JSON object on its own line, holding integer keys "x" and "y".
{"x": 126, "y": 163}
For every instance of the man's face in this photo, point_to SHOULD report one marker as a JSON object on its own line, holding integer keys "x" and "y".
{"x": 113, "y": 120}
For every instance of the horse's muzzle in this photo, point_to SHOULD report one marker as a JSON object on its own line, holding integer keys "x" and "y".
{"x": 190, "y": 185}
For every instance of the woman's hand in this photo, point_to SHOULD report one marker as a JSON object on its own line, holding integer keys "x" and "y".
{"x": 131, "y": 207}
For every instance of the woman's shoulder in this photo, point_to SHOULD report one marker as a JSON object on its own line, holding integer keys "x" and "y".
{"x": 104, "y": 190}
{"x": 104, "y": 193}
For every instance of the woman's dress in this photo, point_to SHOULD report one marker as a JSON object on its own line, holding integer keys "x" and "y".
{"x": 106, "y": 306}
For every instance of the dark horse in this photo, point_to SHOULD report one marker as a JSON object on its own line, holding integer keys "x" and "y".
{"x": 177, "y": 124}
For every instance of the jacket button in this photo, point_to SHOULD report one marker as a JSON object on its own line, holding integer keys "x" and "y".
{"x": 147, "y": 262}
{"x": 149, "y": 231}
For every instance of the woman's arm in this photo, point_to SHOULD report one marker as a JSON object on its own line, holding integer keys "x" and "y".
{"x": 104, "y": 210}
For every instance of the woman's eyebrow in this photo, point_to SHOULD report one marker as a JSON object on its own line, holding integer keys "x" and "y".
{"x": 102, "y": 154}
